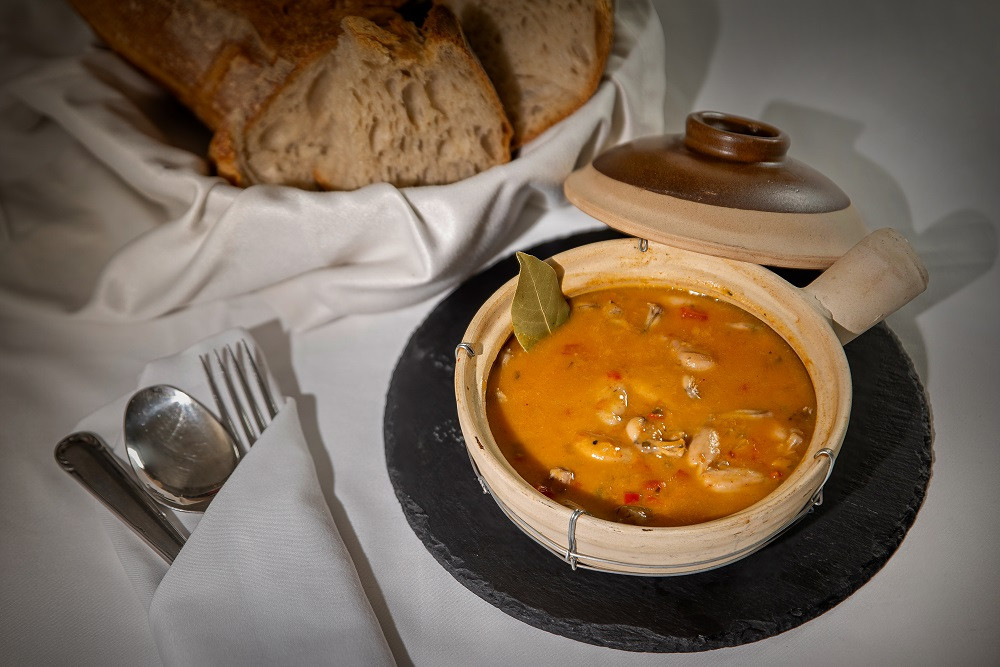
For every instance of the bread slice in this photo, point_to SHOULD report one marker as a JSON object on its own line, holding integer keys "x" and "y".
{"x": 545, "y": 57}
{"x": 389, "y": 104}
{"x": 315, "y": 93}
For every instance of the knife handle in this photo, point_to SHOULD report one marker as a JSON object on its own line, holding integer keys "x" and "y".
{"x": 85, "y": 457}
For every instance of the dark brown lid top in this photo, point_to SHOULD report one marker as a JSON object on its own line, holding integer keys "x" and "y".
{"x": 724, "y": 160}
{"x": 726, "y": 187}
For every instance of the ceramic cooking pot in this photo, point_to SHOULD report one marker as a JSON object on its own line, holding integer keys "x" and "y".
{"x": 682, "y": 197}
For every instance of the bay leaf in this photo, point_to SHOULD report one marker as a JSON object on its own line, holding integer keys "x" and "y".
{"x": 539, "y": 306}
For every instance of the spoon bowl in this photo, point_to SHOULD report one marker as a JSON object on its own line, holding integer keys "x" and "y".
{"x": 180, "y": 452}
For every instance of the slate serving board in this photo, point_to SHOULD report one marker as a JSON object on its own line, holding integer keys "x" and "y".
{"x": 870, "y": 502}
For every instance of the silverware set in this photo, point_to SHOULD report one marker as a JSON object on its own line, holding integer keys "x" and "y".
{"x": 180, "y": 453}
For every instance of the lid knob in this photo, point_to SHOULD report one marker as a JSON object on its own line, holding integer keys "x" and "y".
{"x": 734, "y": 138}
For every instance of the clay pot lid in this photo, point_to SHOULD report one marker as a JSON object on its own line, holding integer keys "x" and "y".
{"x": 725, "y": 187}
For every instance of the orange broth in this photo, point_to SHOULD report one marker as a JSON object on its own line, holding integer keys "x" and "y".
{"x": 653, "y": 406}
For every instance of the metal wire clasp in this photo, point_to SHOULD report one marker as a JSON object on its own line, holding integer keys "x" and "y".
{"x": 571, "y": 554}
{"x": 817, "y": 498}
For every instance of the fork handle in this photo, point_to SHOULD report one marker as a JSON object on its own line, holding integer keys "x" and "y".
{"x": 85, "y": 457}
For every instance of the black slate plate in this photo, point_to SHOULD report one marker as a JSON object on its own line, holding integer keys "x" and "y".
{"x": 870, "y": 502}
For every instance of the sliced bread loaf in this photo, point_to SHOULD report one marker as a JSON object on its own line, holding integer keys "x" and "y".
{"x": 389, "y": 104}
{"x": 545, "y": 57}
{"x": 317, "y": 94}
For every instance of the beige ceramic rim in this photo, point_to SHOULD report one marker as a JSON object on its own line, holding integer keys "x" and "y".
{"x": 675, "y": 550}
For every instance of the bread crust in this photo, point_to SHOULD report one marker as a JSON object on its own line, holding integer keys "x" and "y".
{"x": 216, "y": 56}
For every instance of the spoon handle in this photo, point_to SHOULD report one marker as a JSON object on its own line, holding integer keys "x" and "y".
{"x": 85, "y": 457}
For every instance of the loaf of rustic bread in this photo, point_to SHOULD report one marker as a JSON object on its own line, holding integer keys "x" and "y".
{"x": 386, "y": 103}
{"x": 545, "y": 57}
{"x": 338, "y": 94}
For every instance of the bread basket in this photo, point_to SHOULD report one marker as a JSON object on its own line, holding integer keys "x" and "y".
{"x": 707, "y": 208}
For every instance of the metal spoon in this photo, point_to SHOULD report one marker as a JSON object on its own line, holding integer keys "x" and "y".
{"x": 179, "y": 451}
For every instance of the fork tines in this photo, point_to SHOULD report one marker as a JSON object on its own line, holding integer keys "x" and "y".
{"x": 243, "y": 398}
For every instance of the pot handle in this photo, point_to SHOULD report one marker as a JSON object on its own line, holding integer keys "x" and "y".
{"x": 872, "y": 280}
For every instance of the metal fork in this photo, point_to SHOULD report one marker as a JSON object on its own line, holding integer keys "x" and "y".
{"x": 245, "y": 401}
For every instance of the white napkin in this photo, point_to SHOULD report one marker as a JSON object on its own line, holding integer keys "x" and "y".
{"x": 113, "y": 167}
{"x": 265, "y": 577}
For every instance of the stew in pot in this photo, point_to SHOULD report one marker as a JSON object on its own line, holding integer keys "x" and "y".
{"x": 653, "y": 406}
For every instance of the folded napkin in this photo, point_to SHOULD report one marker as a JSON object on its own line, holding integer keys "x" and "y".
{"x": 265, "y": 577}
{"x": 114, "y": 168}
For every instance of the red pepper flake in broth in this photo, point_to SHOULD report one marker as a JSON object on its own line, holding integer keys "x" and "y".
{"x": 689, "y": 313}
{"x": 776, "y": 474}
{"x": 545, "y": 491}
{"x": 571, "y": 348}
{"x": 631, "y": 497}
{"x": 614, "y": 375}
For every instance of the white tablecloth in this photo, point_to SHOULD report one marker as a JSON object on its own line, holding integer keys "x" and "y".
{"x": 897, "y": 102}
